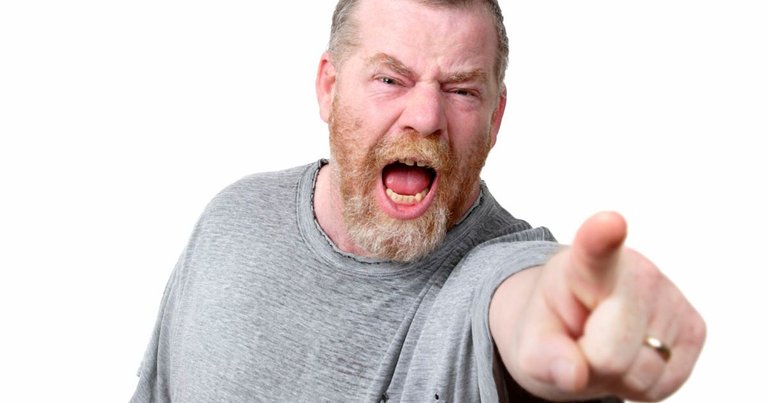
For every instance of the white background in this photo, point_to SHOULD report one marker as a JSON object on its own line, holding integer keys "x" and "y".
{"x": 120, "y": 120}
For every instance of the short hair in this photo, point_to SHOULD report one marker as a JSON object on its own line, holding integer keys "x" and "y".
{"x": 343, "y": 30}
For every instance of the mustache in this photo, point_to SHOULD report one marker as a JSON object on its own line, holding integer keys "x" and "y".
{"x": 433, "y": 150}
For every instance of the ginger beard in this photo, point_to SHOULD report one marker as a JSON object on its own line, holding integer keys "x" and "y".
{"x": 358, "y": 172}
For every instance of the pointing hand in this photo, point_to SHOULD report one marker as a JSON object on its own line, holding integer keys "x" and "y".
{"x": 598, "y": 319}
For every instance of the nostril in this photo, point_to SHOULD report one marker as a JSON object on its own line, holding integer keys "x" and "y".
{"x": 420, "y": 133}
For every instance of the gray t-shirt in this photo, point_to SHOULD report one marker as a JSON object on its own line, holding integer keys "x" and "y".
{"x": 263, "y": 307}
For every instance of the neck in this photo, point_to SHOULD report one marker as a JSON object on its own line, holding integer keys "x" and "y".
{"x": 328, "y": 212}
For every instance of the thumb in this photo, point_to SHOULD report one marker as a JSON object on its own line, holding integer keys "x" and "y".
{"x": 594, "y": 253}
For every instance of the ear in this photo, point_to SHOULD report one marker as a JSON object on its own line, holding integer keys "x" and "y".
{"x": 325, "y": 83}
{"x": 498, "y": 114}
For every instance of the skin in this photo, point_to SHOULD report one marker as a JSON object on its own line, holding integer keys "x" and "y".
{"x": 572, "y": 329}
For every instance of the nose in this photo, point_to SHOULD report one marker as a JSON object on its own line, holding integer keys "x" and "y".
{"x": 424, "y": 111}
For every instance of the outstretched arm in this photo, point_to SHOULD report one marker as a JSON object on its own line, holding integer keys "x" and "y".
{"x": 585, "y": 324}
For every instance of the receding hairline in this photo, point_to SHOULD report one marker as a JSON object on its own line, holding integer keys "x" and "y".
{"x": 345, "y": 28}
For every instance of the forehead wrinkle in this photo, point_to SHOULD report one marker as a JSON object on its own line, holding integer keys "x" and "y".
{"x": 391, "y": 62}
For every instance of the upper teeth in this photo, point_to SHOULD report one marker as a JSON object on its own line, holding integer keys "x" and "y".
{"x": 411, "y": 163}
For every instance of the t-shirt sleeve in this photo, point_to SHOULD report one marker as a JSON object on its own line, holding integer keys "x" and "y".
{"x": 156, "y": 365}
{"x": 152, "y": 373}
{"x": 501, "y": 258}
{"x": 506, "y": 256}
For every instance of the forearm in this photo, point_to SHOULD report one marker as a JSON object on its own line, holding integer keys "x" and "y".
{"x": 507, "y": 305}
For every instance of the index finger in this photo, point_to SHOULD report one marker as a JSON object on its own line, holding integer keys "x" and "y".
{"x": 595, "y": 251}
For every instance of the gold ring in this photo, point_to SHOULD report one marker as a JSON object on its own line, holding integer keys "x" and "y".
{"x": 660, "y": 348}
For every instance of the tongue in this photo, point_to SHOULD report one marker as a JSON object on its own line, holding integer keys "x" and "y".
{"x": 406, "y": 180}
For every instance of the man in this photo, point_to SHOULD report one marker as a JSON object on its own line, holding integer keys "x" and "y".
{"x": 389, "y": 272}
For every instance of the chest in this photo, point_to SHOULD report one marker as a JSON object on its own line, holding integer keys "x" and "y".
{"x": 291, "y": 331}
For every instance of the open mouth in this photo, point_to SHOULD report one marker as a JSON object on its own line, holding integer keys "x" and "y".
{"x": 407, "y": 181}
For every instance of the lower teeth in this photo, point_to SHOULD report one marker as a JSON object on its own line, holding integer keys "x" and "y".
{"x": 406, "y": 199}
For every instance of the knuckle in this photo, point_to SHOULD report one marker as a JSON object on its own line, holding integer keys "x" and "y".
{"x": 698, "y": 329}
{"x": 643, "y": 273}
{"x": 649, "y": 273}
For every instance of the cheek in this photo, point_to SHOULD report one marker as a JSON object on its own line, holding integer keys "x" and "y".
{"x": 470, "y": 139}
{"x": 355, "y": 127}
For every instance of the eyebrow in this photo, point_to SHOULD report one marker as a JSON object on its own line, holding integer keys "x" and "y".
{"x": 474, "y": 75}
{"x": 391, "y": 62}
{"x": 400, "y": 68}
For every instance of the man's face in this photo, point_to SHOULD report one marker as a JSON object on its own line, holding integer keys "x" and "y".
{"x": 415, "y": 110}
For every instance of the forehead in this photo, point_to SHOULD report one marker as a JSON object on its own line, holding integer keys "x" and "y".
{"x": 427, "y": 37}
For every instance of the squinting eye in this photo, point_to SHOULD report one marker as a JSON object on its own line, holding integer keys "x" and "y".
{"x": 387, "y": 80}
{"x": 462, "y": 92}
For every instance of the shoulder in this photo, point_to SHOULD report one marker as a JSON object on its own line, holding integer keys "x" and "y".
{"x": 259, "y": 190}
{"x": 518, "y": 242}
{"x": 265, "y": 185}
{"x": 506, "y": 254}
{"x": 253, "y": 202}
